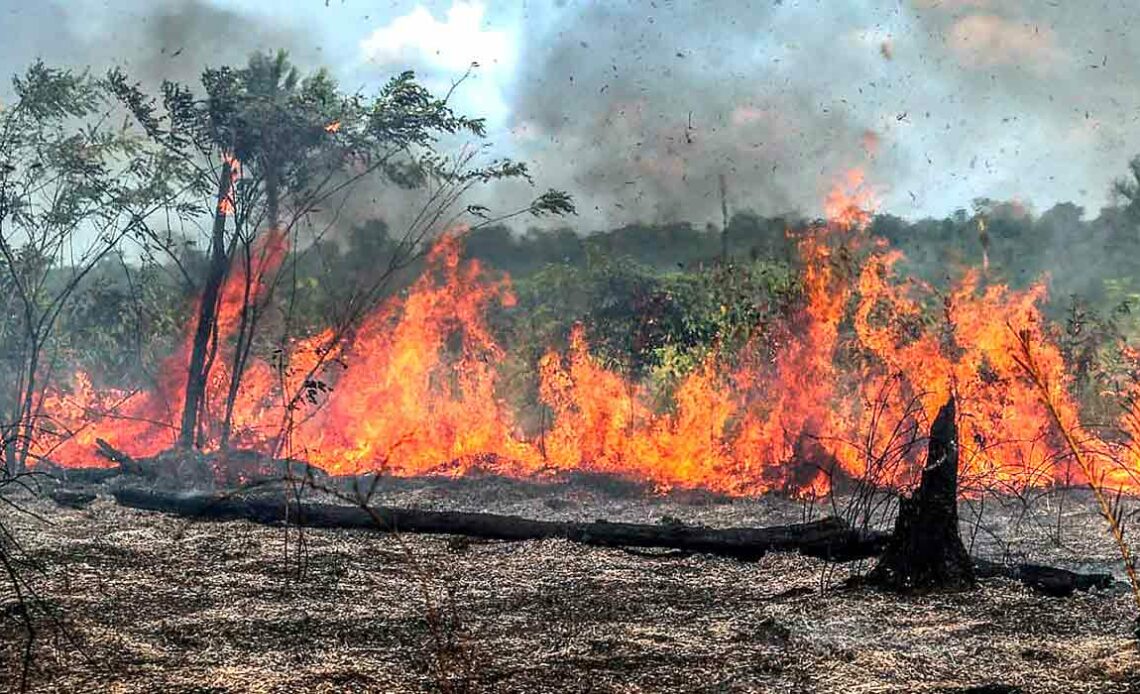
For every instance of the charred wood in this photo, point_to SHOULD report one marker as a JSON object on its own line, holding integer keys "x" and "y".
{"x": 1050, "y": 580}
{"x": 831, "y": 539}
{"x": 926, "y": 550}
{"x": 72, "y": 498}
{"x": 127, "y": 464}
{"x": 79, "y": 475}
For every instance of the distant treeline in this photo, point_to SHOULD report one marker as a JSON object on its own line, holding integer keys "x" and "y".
{"x": 653, "y": 298}
{"x": 1095, "y": 258}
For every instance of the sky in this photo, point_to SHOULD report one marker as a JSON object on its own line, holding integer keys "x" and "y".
{"x": 637, "y": 107}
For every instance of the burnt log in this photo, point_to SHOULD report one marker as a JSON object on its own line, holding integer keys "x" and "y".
{"x": 78, "y": 475}
{"x": 72, "y": 498}
{"x": 123, "y": 464}
{"x": 127, "y": 464}
{"x": 926, "y": 551}
{"x": 1050, "y": 580}
{"x": 832, "y": 539}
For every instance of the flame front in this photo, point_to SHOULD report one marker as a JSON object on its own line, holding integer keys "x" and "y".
{"x": 856, "y": 376}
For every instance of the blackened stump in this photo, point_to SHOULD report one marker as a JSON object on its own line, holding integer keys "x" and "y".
{"x": 926, "y": 550}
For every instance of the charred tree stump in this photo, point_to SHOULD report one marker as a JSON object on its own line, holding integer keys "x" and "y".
{"x": 926, "y": 550}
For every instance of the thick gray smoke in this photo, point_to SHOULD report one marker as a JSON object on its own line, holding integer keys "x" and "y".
{"x": 152, "y": 41}
{"x": 638, "y": 106}
{"x": 641, "y": 110}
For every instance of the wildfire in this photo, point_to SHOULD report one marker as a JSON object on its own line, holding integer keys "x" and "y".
{"x": 333, "y": 127}
{"x": 231, "y": 167}
{"x": 859, "y": 373}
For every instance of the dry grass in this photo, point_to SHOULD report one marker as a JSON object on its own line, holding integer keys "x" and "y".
{"x": 161, "y": 605}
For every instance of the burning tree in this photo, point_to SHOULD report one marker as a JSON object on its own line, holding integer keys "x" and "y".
{"x": 265, "y": 149}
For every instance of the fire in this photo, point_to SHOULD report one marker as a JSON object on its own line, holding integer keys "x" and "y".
{"x": 858, "y": 372}
{"x": 144, "y": 422}
{"x": 333, "y": 127}
{"x": 232, "y": 168}
{"x": 850, "y": 203}
{"x": 403, "y": 405}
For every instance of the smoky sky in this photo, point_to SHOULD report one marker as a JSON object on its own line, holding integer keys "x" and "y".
{"x": 643, "y": 104}
{"x": 152, "y": 41}
{"x": 637, "y": 107}
{"x": 647, "y": 110}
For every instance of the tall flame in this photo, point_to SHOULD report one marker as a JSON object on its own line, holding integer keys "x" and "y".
{"x": 858, "y": 371}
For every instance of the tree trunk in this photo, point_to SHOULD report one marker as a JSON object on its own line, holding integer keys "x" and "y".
{"x": 831, "y": 538}
{"x": 249, "y": 311}
{"x": 198, "y": 370}
{"x": 926, "y": 550}
{"x": 241, "y": 351}
{"x": 28, "y": 408}
{"x": 272, "y": 194}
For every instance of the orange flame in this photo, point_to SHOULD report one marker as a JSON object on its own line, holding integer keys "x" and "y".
{"x": 233, "y": 166}
{"x": 858, "y": 370}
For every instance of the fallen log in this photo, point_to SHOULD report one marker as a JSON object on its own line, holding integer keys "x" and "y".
{"x": 831, "y": 538}
{"x": 1050, "y": 580}
{"x": 79, "y": 475}
{"x": 72, "y": 498}
{"x": 123, "y": 465}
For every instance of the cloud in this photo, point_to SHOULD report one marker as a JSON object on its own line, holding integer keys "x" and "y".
{"x": 419, "y": 38}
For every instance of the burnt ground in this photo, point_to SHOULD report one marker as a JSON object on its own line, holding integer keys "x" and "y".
{"x": 150, "y": 603}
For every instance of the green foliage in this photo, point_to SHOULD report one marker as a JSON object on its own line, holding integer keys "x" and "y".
{"x": 71, "y": 188}
{"x": 122, "y": 321}
{"x": 643, "y": 321}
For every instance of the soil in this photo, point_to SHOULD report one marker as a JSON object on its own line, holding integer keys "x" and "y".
{"x": 143, "y": 602}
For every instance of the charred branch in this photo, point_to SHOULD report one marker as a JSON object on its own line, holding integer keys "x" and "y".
{"x": 831, "y": 539}
{"x": 1050, "y": 580}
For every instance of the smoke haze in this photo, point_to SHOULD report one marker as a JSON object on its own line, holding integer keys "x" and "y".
{"x": 638, "y": 107}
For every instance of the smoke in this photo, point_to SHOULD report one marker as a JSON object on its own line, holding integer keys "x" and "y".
{"x": 640, "y": 110}
{"x": 152, "y": 41}
{"x": 637, "y": 107}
